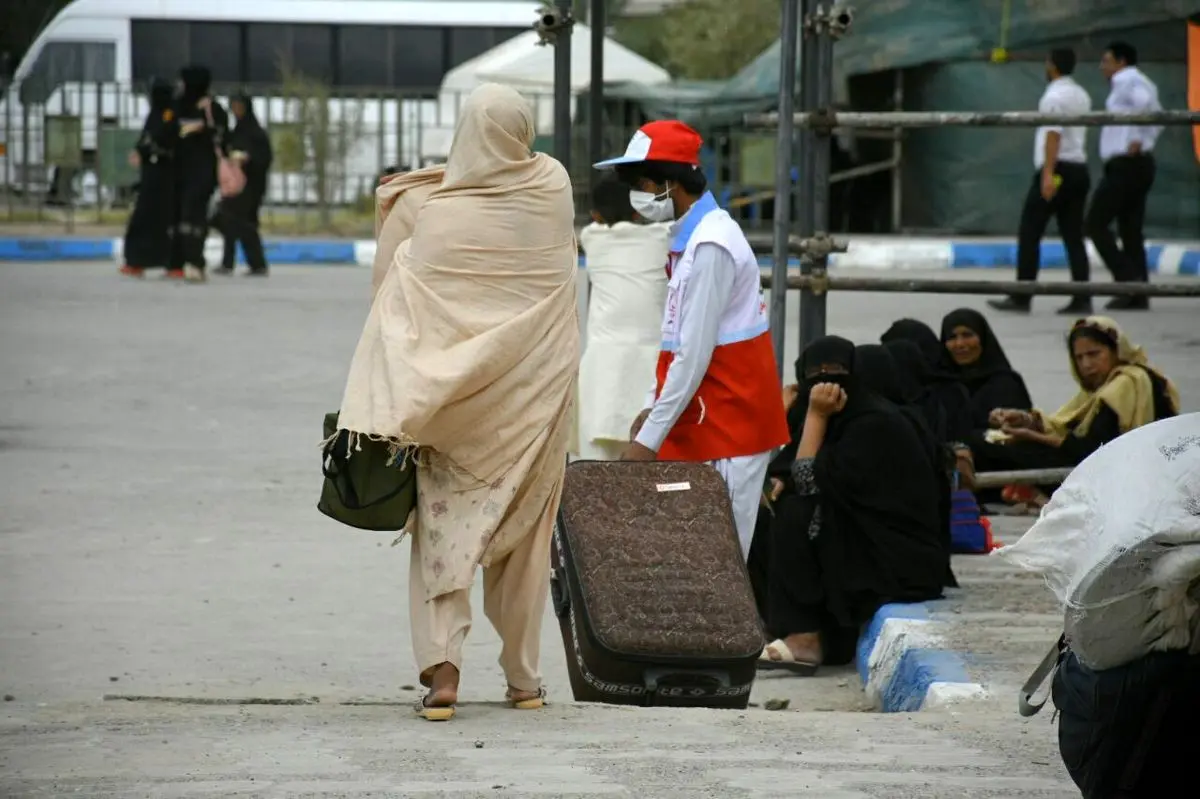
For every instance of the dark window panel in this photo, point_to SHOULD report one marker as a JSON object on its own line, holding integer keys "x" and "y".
{"x": 268, "y": 52}
{"x": 160, "y": 49}
{"x": 418, "y": 57}
{"x": 363, "y": 56}
{"x": 466, "y": 43}
{"x": 312, "y": 51}
{"x": 218, "y": 46}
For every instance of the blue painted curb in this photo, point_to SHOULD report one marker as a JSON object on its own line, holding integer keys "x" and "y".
{"x": 902, "y": 681}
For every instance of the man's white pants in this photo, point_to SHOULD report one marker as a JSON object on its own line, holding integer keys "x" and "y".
{"x": 745, "y": 478}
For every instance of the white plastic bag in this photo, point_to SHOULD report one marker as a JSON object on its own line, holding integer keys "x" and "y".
{"x": 1119, "y": 545}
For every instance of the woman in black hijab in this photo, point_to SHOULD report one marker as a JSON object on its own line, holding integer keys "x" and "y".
{"x": 980, "y": 364}
{"x": 148, "y": 234}
{"x": 922, "y": 358}
{"x": 860, "y": 526}
{"x": 877, "y": 371}
{"x": 202, "y": 125}
{"x": 237, "y": 217}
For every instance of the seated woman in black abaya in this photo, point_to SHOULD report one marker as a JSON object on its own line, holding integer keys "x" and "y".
{"x": 1119, "y": 391}
{"x": 860, "y": 525}
{"x": 980, "y": 364}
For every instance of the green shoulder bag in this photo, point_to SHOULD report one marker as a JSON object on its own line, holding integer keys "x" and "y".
{"x": 366, "y": 488}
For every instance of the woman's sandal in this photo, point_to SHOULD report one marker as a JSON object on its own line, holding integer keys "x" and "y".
{"x": 530, "y": 703}
{"x": 777, "y": 656}
{"x": 434, "y": 712}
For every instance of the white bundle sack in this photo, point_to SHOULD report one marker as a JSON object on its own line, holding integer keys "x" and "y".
{"x": 1119, "y": 545}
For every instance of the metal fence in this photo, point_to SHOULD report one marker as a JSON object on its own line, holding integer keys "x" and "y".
{"x": 822, "y": 23}
{"x": 64, "y": 161}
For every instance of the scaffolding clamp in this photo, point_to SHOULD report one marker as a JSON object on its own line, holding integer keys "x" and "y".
{"x": 552, "y": 21}
{"x": 833, "y": 20}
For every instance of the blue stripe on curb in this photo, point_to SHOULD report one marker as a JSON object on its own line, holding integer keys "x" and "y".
{"x": 916, "y": 671}
{"x": 870, "y": 635}
{"x": 1190, "y": 263}
{"x": 36, "y": 249}
{"x": 1053, "y": 255}
{"x": 311, "y": 252}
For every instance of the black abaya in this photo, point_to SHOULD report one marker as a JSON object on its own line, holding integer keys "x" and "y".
{"x": 944, "y": 400}
{"x": 148, "y": 233}
{"x": 991, "y": 381}
{"x": 877, "y": 371}
{"x": 197, "y": 162}
{"x": 237, "y": 217}
{"x": 862, "y": 525}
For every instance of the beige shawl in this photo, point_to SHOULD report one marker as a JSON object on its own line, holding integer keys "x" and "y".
{"x": 1128, "y": 390}
{"x": 396, "y": 205}
{"x": 472, "y": 344}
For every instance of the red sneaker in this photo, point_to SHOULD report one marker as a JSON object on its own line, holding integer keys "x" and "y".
{"x": 133, "y": 271}
{"x": 175, "y": 274}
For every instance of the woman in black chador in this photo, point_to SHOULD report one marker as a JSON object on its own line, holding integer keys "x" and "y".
{"x": 148, "y": 234}
{"x": 237, "y": 217}
{"x": 202, "y": 126}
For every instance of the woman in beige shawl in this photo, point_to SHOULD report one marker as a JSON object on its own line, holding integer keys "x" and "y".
{"x": 470, "y": 352}
{"x": 397, "y": 201}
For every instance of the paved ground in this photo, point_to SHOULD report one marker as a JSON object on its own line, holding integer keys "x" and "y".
{"x": 158, "y": 537}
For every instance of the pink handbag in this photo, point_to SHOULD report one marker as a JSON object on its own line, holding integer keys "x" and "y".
{"x": 231, "y": 178}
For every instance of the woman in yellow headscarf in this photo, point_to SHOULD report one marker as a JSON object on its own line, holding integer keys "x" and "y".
{"x": 1118, "y": 391}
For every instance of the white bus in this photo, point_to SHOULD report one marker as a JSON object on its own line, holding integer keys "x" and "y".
{"x": 90, "y": 59}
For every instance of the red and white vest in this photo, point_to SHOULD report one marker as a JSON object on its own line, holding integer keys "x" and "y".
{"x": 738, "y": 408}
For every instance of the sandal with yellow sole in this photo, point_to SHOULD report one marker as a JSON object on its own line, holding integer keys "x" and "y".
{"x": 530, "y": 703}
{"x": 434, "y": 712}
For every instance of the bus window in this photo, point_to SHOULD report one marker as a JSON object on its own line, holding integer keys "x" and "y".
{"x": 69, "y": 62}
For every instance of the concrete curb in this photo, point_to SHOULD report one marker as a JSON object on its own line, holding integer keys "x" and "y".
{"x": 879, "y": 252}
{"x": 904, "y": 667}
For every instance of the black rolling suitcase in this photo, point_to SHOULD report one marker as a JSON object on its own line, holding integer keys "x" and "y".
{"x": 650, "y": 589}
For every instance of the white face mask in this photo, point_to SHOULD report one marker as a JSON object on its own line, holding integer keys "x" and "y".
{"x": 653, "y": 207}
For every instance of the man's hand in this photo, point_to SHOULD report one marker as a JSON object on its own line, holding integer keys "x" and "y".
{"x": 204, "y": 102}
{"x": 826, "y": 399}
{"x": 790, "y": 395}
{"x": 636, "y": 427}
{"x": 639, "y": 452}
{"x": 135, "y": 160}
{"x": 1050, "y": 182}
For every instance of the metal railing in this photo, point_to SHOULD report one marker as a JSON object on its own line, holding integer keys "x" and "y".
{"x": 822, "y": 24}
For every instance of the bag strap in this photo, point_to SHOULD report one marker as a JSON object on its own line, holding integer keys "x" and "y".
{"x": 1044, "y": 670}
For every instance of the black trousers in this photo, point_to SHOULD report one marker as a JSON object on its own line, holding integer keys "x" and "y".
{"x": 191, "y": 231}
{"x": 1067, "y": 207}
{"x": 1130, "y": 731}
{"x": 237, "y": 219}
{"x": 1121, "y": 195}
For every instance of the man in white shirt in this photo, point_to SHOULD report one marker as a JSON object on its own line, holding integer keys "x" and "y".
{"x": 1127, "y": 152}
{"x": 1060, "y": 185}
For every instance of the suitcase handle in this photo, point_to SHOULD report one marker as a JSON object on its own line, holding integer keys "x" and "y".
{"x": 560, "y": 600}
{"x": 651, "y": 677}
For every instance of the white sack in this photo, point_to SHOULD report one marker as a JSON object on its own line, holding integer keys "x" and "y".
{"x": 1119, "y": 545}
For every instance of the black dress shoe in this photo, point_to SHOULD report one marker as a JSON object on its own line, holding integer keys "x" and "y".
{"x": 1011, "y": 304}
{"x": 1128, "y": 304}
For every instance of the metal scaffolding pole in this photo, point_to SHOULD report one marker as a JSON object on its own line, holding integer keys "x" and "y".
{"x": 784, "y": 156}
{"x": 555, "y": 25}
{"x": 822, "y": 284}
{"x": 596, "y": 91}
{"x": 824, "y": 23}
{"x": 821, "y": 119}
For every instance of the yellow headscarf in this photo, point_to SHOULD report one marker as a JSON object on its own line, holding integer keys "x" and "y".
{"x": 1128, "y": 391}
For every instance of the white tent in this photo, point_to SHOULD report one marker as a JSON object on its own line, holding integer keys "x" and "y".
{"x": 528, "y": 67}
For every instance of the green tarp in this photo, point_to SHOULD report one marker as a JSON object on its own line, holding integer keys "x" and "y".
{"x": 972, "y": 180}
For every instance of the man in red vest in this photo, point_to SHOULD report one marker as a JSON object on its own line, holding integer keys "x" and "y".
{"x": 717, "y": 393}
